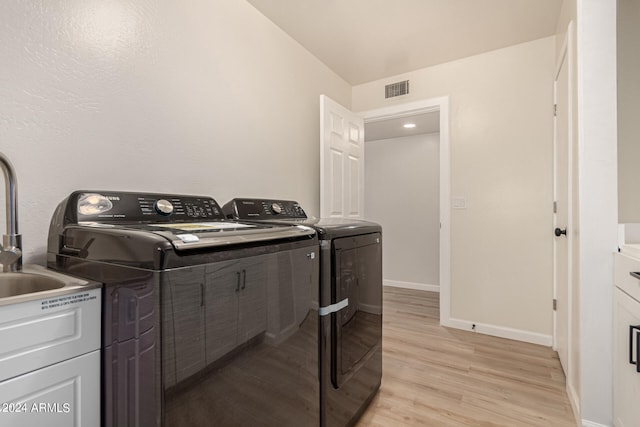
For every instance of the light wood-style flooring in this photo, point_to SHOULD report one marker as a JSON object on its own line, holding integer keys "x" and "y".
{"x": 436, "y": 376}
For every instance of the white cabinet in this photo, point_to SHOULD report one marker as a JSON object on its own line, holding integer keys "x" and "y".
{"x": 626, "y": 393}
{"x": 50, "y": 361}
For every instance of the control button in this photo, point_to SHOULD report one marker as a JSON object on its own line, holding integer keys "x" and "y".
{"x": 276, "y": 208}
{"x": 163, "y": 207}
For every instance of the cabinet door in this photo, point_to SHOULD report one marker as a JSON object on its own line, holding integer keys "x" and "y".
{"x": 221, "y": 312}
{"x": 66, "y": 394}
{"x": 252, "y": 314}
{"x": 626, "y": 393}
{"x": 187, "y": 322}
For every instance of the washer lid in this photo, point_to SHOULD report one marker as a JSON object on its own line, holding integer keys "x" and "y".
{"x": 210, "y": 234}
{"x": 228, "y": 234}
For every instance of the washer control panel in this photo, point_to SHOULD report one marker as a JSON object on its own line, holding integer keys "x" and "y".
{"x": 110, "y": 207}
{"x": 263, "y": 209}
{"x": 163, "y": 207}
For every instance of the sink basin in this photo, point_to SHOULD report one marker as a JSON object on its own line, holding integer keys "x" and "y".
{"x": 35, "y": 282}
{"x": 13, "y": 284}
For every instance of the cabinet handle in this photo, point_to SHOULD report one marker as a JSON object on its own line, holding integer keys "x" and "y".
{"x": 635, "y": 274}
{"x": 637, "y": 350}
{"x": 201, "y": 294}
{"x": 244, "y": 279}
{"x": 238, "y": 281}
{"x": 635, "y": 329}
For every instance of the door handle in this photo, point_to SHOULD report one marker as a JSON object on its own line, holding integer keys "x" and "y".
{"x": 333, "y": 308}
{"x": 558, "y": 232}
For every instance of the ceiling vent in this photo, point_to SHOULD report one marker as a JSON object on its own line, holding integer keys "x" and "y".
{"x": 396, "y": 89}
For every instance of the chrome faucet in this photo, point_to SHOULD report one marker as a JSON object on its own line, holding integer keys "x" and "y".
{"x": 11, "y": 249}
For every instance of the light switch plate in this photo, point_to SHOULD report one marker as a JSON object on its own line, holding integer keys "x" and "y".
{"x": 459, "y": 203}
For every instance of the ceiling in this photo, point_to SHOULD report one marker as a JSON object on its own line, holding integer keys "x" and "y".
{"x": 394, "y": 128}
{"x": 366, "y": 40}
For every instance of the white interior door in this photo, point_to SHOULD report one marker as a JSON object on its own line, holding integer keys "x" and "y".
{"x": 562, "y": 216}
{"x": 341, "y": 161}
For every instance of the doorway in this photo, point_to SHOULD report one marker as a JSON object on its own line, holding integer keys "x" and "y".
{"x": 403, "y": 112}
{"x": 402, "y": 190}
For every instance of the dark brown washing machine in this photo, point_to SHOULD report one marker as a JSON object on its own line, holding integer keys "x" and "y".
{"x": 205, "y": 321}
{"x": 350, "y": 295}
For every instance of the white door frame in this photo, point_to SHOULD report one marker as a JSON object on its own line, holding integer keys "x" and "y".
{"x": 440, "y": 104}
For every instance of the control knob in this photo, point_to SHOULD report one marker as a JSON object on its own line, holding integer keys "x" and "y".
{"x": 163, "y": 207}
{"x": 276, "y": 208}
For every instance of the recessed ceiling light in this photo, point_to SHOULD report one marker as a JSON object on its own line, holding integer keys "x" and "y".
{"x": 409, "y": 125}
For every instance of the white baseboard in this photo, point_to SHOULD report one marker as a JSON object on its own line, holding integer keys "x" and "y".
{"x": 499, "y": 331}
{"x": 573, "y": 400}
{"x": 587, "y": 423}
{"x": 411, "y": 285}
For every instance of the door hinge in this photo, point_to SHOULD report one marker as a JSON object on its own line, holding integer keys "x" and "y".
{"x": 555, "y": 304}
{"x": 555, "y": 110}
{"x": 555, "y": 207}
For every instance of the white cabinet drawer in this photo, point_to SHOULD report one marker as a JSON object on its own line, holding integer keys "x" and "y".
{"x": 39, "y": 333}
{"x": 624, "y": 265}
{"x": 66, "y": 394}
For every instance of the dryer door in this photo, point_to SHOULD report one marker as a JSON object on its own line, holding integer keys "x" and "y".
{"x": 357, "y": 328}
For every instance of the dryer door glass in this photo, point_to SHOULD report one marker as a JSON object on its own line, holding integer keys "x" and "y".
{"x": 357, "y": 328}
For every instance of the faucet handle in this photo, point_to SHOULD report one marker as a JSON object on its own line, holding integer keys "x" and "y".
{"x": 11, "y": 252}
{"x": 8, "y": 256}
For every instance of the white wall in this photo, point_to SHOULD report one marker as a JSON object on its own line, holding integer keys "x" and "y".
{"x": 595, "y": 204}
{"x": 597, "y": 121}
{"x": 402, "y": 178}
{"x": 203, "y": 97}
{"x": 501, "y": 163}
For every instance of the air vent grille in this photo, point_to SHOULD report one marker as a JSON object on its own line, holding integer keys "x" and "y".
{"x": 396, "y": 89}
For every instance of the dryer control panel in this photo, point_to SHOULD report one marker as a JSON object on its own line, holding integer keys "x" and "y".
{"x": 263, "y": 209}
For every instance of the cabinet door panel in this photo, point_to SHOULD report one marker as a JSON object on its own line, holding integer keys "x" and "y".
{"x": 189, "y": 329}
{"x": 252, "y": 319}
{"x": 221, "y": 300}
{"x": 66, "y": 394}
{"x": 35, "y": 334}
